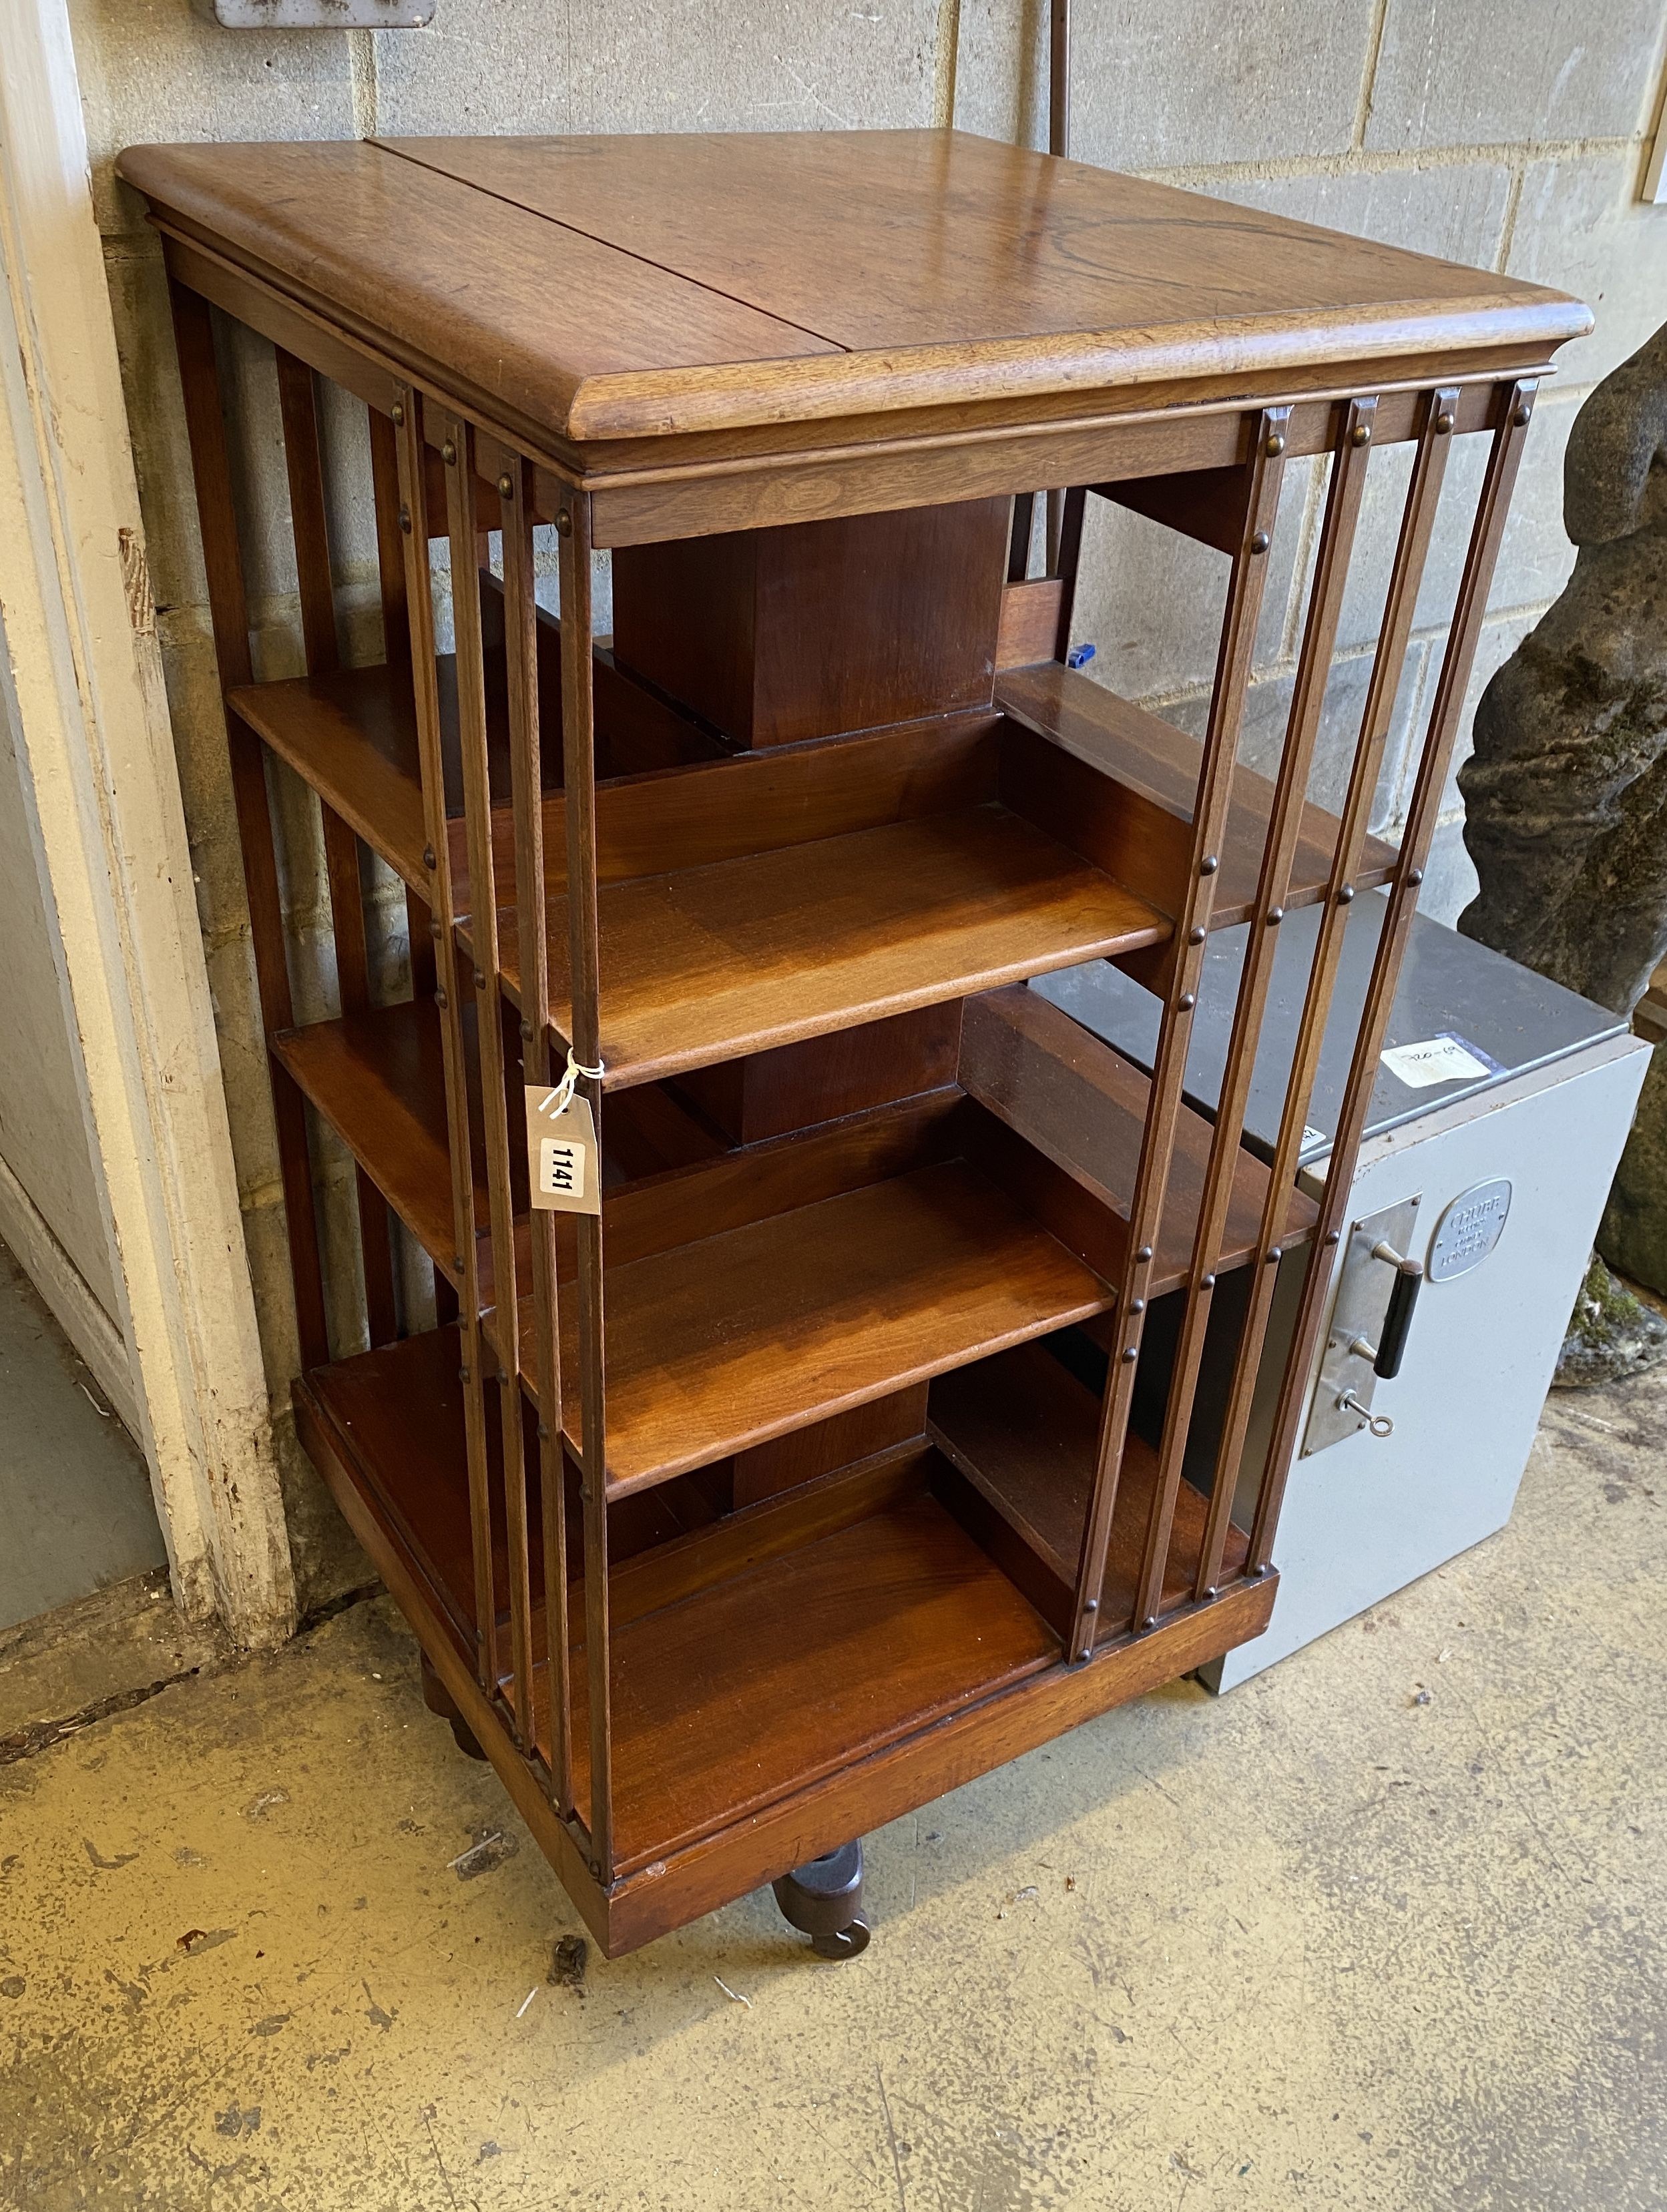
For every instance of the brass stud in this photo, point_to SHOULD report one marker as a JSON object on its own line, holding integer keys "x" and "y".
{"x": 398, "y": 415}
{"x": 1212, "y": 1591}
{"x": 1334, "y": 1235}
{"x": 1209, "y": 865}
{"x": 565, "y": 524}
{"x": 1195, "y": 936}
{"x": 1131, "y": 1351}
{"x": 1275, "y": 1255}
{"x": 1520, "y": 417}
{"x": 1186, "y": 1002}
{"x": 1090, "y": 1605}
{"x": 1443, "y": 422}
{"x": 1361, "y": 435}
{"x": 457, "y": 1261}
{"x": 1346, "y": 895}
{"x": 1415, "y": 878}
{"x": 448, "y": 453}
{"x": 1144, "y": 1254}
{"x": 1260, "y": 542}
{"x": 405, "y": 520}
{"x": 427, "y": 856}
{"x": 1276, "y": 915}
{"x": 480, "y": 978}
{"x": 1206, "y": 1282}
{"x": 527, "y": 1033}
{"x": 1137, "y": 1306}
{"x": 436, "y": 931}
{"x": 1150, "y": 1621}
{"x": 441, "y": 1000}
{"x": 507, "y": 485}
{"x": 1275, "y": 445}
{"x": 1085, "y": 1653}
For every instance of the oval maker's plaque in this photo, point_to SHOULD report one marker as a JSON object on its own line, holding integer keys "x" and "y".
{"x": 1467, "y": 1231}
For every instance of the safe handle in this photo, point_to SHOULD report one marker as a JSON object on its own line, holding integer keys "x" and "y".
{"x": 1397, "y": 1321}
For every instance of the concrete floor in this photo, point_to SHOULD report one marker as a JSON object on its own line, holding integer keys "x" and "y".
{"x": 75, "y": 1510}
{"x": 1319, "y": 1944}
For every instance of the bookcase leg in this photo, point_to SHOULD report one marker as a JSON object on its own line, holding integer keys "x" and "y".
{"x": 823, "y": 1898}
{"x": 439, "y": 1700}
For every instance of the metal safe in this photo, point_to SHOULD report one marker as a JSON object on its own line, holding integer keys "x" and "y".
{"x": 1502, "y": 1107}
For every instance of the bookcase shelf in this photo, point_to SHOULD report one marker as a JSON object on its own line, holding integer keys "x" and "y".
{"x": 854, "y": 1489}
{"x": 767, "y": 950}
{"x": 865, "y": 1592}
{"x": 726, "y": 1343}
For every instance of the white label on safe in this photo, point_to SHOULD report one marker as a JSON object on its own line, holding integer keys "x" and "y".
{"x": 1468, "y": 1229}
{"x": 1444, "y": 1058}
{"x": 560, "y": 1167}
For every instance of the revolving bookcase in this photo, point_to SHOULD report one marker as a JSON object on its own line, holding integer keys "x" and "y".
{"x": 814, "y": 1475}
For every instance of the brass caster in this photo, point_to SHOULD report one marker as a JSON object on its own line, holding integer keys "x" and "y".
{"x": 823, "y": 1898}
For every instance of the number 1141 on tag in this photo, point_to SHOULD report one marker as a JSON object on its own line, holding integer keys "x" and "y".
{"x": 562, "y": 1166}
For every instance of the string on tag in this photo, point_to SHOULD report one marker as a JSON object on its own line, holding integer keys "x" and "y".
{"x": 558, "y": 1100}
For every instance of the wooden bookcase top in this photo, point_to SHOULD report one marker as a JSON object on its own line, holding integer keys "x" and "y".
{"x": 592, "y": 288}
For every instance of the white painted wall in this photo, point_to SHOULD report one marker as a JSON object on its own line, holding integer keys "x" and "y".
{"x": 106, "y": 825}
{"x": 44, "y": 1142}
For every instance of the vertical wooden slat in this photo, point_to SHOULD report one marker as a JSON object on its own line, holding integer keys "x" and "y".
{"x": 390, "y": 544}
{"x": 415, "y": 531}
{"x": 1018, "y": 542}
{"x": 397, "y": 646}
{"x": 1059, "y": 77}
{"x": 1245, "y": 590}
{"x": 303, "y": 458}
{"x": 1066, "y": 555}
{"x": 459, "y": 453}
{"x": 229, "y": 616}
{"x": 1342, "y": 511}
{"x": 1515, "y": 411}
{"x": 579, "y": 762}
{"x": 1406, "y": 575}
{"x": 527, "y": 781}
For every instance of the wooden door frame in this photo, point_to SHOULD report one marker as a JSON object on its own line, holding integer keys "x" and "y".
{"x": 107, "y": 823}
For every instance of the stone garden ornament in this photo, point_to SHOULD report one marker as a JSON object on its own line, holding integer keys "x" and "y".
{"x": 1566, "y": 811}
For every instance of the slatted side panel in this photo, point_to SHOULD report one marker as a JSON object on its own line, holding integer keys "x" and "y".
{"x": 1347, "y": 487}
{"x": 1514, "y": 412}
{"x": 1437, "y": 422}
{"x": 1434, "y": 445}
{"x": 1245, "y": 594}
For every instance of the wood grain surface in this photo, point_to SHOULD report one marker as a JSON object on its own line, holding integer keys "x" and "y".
{"x": 717, "y": 1346}
{"x": 594, "y": 288}
{"x": 1024, "y": 1431}
{"x": 1147, "y": 758}
{"x": 746, "y": 954}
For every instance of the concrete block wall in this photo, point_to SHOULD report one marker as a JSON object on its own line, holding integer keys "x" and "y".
{"x": 1514, "y": 141}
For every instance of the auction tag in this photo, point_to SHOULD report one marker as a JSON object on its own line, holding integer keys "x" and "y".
{"x": 560, "y": 1147}
{"x": 1444, "y": 1058}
